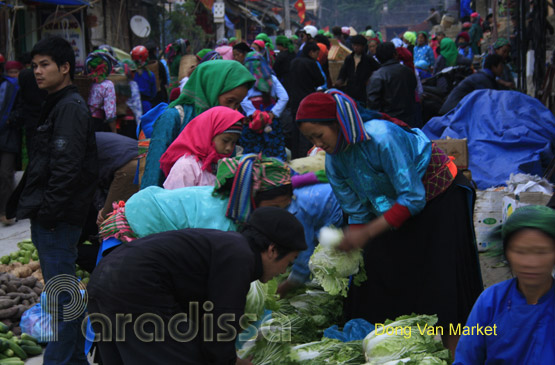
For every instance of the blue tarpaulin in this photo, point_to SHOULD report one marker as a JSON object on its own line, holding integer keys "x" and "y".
{"x": 507, "y": 131}
{"x": 63, "y": 2}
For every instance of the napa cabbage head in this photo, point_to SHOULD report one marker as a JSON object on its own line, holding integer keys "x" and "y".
{"x": 389, "y": 347}
{"x": 331, "y": 268}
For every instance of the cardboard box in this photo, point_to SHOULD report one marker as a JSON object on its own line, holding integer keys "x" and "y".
{"x": 458, "y": 148}
{"x": 512, "y": 202}
{"x": 334, "y": 67}
{"x": 338, "y": 52}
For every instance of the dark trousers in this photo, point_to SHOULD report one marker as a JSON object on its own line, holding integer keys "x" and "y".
{"x": 7, "y": 170}
{"x": 57, "y": 249}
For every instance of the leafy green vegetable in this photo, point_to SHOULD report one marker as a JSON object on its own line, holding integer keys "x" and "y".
{"x": 331, "y": 268}
{"x": 328, "y": 351}
{"x": 262, "y": 296}
{"x": 401, "y": 341}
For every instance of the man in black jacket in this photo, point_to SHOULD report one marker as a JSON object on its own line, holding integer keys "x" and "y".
{"x": 356, "y": 70}
{"x": 59, "y": 184}
{"x": 304, "y": 78}
{"x": 483, "y": 79}
{"x": 392, "y": 87}
{"x": 187, "y": 288}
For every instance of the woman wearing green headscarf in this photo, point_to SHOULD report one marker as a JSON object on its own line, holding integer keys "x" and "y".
{"x": 212, "y": 83}
{"x": 502, "y": 47}
{"x": 520, "y": 311}
{"x": 449, "y": 56}
{"x": 409, "y": 38}
{"x": 285, "y": 56}
{"x": 268, "y": 53}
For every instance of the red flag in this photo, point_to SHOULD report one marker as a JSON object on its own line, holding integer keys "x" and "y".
{"x": 301, "y": 9}
{"x": 327, "y": 29}
{"x": 208, "y": 4}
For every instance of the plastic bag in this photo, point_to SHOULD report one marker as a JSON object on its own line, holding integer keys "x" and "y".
{"x": 36, "y": 322}
{"x": 354, "y": 330}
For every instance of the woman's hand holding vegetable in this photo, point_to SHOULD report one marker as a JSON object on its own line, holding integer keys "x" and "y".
{"x": 357, "y": 237}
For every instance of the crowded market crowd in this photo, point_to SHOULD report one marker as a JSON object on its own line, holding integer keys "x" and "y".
{"x": 197, "y": 172}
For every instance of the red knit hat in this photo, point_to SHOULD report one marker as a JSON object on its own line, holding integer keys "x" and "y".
{"x": 317, "y": 107}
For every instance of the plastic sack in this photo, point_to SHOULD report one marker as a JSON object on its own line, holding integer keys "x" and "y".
{"x": 354, "y": 330}
{"x": 507, "y": 132}
{"x": 36, "y": 322}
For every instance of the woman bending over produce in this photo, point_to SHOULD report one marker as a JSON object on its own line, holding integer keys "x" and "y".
{"x": 408, "y": 208}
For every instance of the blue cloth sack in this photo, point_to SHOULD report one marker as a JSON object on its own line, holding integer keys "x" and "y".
{"x": 354, "y": 330}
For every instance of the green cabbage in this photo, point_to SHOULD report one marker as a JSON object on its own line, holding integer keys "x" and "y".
{"x": 332, "y": 268}
{"x": 400, "y": 347}
{"x": 261, "y": 296}
{"x": 328, "y": 351}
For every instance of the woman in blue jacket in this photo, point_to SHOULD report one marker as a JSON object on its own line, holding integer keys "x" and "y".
{"x": 517, "y": 316}
{"x": 411, "y": 214}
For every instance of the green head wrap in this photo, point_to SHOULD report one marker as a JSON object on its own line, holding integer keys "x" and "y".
{"x": 370, "y": 33}
{"x": 449, "y": 51}
{"x": 294, "y": 37}
{"x": 531, "y": 216}
{"x": 321, "y": 31}
{"x": 283, "y": 41}
{"x": 500, "y": 43}
{"x": 327, "y": 34}
{"x": 424, "y": 33}
{"x": 203, "y": 52}
{"x": 411, "y": 37}
{"x": 264, "y": 37}
{"x": 211, "y": 79}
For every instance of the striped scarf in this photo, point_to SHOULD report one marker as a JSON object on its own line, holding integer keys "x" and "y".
{"x": 250, "y": 173}
{"x": 350, "y": 121}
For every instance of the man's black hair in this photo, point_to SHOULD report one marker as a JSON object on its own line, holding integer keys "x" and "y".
{"x": 492, "y": 60}
{"x": 385, "y": 52}
{"x": 336, "y": 31}
{"x": 320, "y": 38}
{"x": 58, "y": 49}
{"x": 25, "y": 58}
{"x": 368, "y": 27}
{"x": 260, "y": 242}
{"x": 152, "y": 49}
{"x": 273, "y": 193}
{"x": 359, "y": 39}
{"x": 432, "y": 9}
{"x": 310, "y": 47}
{"x": 242, "y": 47}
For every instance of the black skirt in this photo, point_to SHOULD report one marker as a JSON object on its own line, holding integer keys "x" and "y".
{"x": 428, "y": 266}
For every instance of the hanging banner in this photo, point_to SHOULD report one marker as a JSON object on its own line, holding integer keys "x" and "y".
{"x": 68, "y": 27}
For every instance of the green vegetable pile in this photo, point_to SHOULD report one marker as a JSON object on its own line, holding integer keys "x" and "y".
{"x": 387, "y": 346}
{"x": 332, "y": 268}
{"x": 26, "y": 252}
{"x": 14, "y": 350}
{"x": 293, "y": 333}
